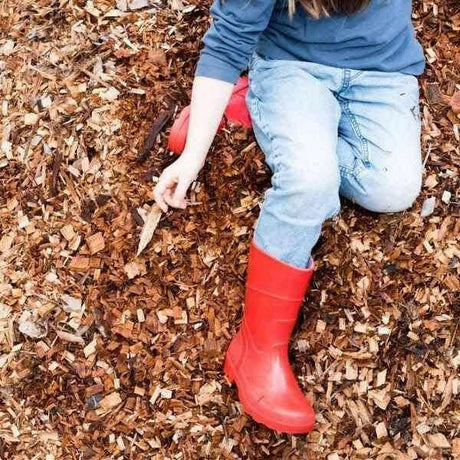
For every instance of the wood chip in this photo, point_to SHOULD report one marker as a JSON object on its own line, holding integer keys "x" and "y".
{"x": 433, "y": 94}
{"x": 90, "y": 348}
{"x": 438, "y": 441}
{"x": 381, "y": 430}
{"x": 6, "y": 242}
{"x": 79, "y": 264}
{"x": 110, "y": 401}
{"x": 455, "y": 102}
{"x": 96, "y": 243}
{"x": 68, "y": 232}
{"x": 134, "y": 269}
{"x": 30, "y": 119}
{"x": 66, "y": 336}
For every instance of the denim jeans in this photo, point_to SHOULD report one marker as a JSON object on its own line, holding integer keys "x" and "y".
{"x": 326, "y": 132}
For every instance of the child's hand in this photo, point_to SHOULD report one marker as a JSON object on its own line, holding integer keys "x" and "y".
{"x": 175, "y": 181}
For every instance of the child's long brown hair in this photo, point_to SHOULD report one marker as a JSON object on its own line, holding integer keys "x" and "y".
{"x": 321, "y": 8}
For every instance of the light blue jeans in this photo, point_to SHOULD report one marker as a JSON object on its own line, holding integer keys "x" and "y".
{"x": 327, "y": 132}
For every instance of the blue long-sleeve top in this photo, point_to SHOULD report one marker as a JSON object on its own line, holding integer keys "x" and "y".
{"x": 381, "y": 37}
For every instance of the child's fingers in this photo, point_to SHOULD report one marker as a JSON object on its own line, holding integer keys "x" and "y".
{"x": 168, "y": 197}
{"x": 178, "y": 198}
{"x": 159, "y": 192}
{"x": 171, "y": 191}
{"x": 158, "y": 196}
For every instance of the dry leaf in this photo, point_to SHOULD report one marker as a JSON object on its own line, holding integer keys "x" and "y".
{"x": 151, "y": 222}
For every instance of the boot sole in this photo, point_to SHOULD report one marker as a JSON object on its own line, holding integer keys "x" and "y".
{"x": 248, "y": 409}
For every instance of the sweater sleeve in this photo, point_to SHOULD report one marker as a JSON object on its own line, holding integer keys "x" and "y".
{"x": 232, "y": 38}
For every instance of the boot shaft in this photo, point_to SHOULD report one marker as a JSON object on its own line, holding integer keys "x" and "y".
{"x": 274, "y": 293}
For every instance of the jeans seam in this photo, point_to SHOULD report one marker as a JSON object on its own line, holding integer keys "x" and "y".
{"x": 345, "y": 80}
{"x": 357, "y": 130}
{"x": 347, "y": 171}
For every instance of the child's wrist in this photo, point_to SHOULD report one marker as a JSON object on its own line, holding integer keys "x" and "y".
{"x": 194, "y": 156}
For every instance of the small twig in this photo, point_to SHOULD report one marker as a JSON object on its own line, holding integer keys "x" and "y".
{"x": 426, "y": 157}
{"x": 56, "y": 167}
{"x": 247, "y": 149}
{"x": 156, "y": 128}
{"x": 137, "y": 217}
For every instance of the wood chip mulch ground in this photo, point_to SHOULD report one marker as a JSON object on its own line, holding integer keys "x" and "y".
{"x": 114, "y": 318}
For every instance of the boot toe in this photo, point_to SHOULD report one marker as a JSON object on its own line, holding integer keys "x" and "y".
{"x": 300, "y": 419}
{"x": 283, "y": 415}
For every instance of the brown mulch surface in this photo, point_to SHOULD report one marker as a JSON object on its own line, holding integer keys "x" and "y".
{"x": 106, "y": 354}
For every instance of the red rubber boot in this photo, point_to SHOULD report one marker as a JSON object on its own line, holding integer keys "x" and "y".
{"x": 237, "y": 111}
{"x": 257, "y": 359}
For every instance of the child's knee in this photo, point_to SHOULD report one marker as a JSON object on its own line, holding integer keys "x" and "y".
{"x": 393, "y": 193}
{"x": 308, "y": 192}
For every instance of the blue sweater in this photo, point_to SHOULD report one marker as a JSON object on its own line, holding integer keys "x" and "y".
{"x": 381, "y": 37}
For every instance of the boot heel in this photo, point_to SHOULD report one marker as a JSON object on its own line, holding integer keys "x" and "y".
{"x": 228, "y": 372}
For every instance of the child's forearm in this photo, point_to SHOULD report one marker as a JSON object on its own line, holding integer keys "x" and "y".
{"x": 209, "y": 100}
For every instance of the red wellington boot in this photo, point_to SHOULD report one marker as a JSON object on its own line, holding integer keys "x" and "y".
{"x": 236, "y": 113}
{"x": 257, "y": 359}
